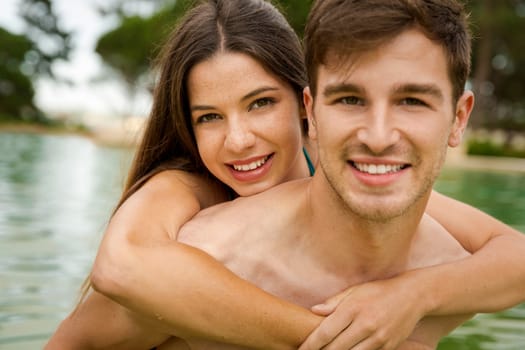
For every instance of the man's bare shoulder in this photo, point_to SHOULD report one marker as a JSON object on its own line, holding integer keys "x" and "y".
{"x": 243, "y": 221}
{"x": 434, "y": 245}
{"x": 250, "y": 209}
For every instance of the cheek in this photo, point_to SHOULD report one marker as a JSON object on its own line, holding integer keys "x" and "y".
{"x": 330, "y": 135}
{"x": 284, "y": 128}
{"x": 292, "y": 136}
{"x": 208, "y": 146}
{"x": 433, "y": 138}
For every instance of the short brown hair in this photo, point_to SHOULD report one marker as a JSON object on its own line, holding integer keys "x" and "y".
{"x": 347, "y": 27}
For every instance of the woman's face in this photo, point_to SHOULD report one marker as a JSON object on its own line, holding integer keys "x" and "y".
{"x": 246, "y": 122}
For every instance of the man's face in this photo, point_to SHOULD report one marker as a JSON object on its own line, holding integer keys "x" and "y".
{"x": 383, "y": 125}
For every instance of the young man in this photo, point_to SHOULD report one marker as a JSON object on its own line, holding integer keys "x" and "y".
{"x": 386, "y": 100}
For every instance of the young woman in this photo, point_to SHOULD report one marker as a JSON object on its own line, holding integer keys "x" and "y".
{"x": 226, "y": 121}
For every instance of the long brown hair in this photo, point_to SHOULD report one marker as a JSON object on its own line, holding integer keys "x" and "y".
{"x": 252, "y": 27}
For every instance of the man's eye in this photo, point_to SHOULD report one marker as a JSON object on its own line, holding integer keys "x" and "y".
{"x": 410, "y": 101}
{"x": 351, "y": 100}
{"x": 206, "y": 118}
{"x": 261, "y": 102}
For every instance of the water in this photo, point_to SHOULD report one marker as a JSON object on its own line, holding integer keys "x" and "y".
{"x": 56, "y": 193}
{"x": 503, "y": 196}
{"x": 55, "y": 196}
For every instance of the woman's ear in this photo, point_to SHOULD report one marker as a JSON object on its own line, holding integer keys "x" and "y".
{"x": 308, "y": 101}
{"x": 463, "y": 110}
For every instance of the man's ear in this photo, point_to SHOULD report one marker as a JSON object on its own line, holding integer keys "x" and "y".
{"x": 463, "y": 110}
{"x": 308, "y": 101}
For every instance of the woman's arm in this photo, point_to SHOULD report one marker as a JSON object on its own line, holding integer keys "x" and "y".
{"x": 100, "y": 323}
{"x": 182, "y": 288}
{"x": 201, "y": 298}
{"x": 493, "y": 278}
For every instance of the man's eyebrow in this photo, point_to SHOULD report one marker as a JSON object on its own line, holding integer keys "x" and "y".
{"x": 425, "y": 89}
{"x": 335, "y": 89}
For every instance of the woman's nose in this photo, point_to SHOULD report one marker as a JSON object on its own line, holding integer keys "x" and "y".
{"x": 239, "y": 136}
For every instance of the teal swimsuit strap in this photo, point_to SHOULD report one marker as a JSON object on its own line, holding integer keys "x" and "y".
{"x": 311, "y": 167}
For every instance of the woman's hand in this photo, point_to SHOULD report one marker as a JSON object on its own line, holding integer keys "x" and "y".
{"x": 380, "y": 314}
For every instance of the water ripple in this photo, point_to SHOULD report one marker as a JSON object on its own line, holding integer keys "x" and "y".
{"x": 56, "y": 194}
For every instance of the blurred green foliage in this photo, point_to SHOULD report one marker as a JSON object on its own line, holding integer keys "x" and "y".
{"x": 498, "y": 73}
{"x": 49, "y": 42}
{"x": 16, "y": 89}
{"x": 490, "y": 148}
{"x": 129, "y": 48}
{"x": 296, "y": 11}
{"x": 25, "y": 58}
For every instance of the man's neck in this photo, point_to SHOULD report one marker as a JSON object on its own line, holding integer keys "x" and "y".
{"x": 373, "y": 249}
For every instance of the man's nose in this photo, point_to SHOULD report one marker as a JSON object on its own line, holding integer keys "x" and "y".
{"x": 378, "y": 132}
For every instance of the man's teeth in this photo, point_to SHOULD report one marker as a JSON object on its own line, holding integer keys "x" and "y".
{"x": 250, "y": 166}
{"x": 378, "y": 169}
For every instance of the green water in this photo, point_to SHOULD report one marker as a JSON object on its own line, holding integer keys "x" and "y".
{"x": 56, "y": 193}
{"x": 503, "y": 196}
{"x": 55, "y": 196}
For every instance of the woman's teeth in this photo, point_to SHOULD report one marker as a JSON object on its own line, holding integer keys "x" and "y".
{"x": 251, "y": 166}
{"x": 378, "y": 169}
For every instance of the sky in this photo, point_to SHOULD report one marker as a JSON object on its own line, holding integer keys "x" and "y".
{"x": 85, "y": 97}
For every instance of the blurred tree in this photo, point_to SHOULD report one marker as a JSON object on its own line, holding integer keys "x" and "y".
{"x": 16, "y": 90}
{"x": 296, "y": 11}
{"x": 134, "y": 43}
{"x": 499, "y": 64}
{"x": 49, "y": 41}
{"x": 26, "y": 57}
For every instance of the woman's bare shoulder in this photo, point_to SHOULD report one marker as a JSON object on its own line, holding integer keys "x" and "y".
{"x": 163, "y": 204}
{"x": 173, "y": 184}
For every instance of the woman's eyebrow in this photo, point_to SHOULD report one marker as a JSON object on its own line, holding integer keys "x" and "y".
{"x": 244, "y": 98}
{"x": 258, "y": 91}
{"x": 201, "y": 108}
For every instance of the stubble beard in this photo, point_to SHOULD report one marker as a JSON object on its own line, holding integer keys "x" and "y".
{"x": 377, "y": 209}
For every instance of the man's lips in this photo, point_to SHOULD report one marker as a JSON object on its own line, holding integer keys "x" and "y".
{"x": 378, "y": 168}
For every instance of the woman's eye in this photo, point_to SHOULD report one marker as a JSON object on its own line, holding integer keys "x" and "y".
{"x": 351, "y": 100}
{"x": 206, "y": 118}
{"x": 261, "y": 102}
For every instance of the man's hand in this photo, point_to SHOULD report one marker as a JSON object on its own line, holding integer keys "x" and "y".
{"x": 373, "y": 315}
